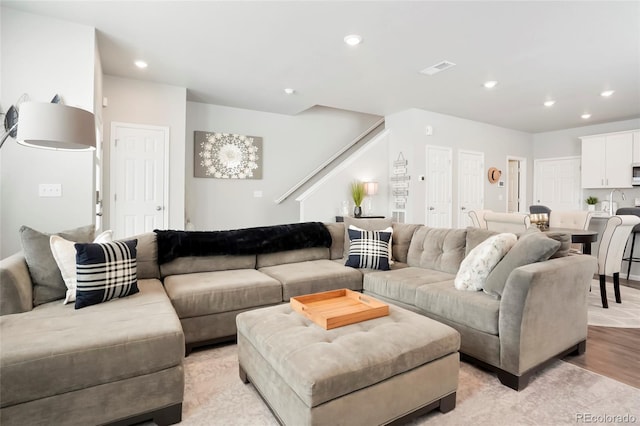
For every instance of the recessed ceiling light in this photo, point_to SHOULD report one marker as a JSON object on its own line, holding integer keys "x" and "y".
{"x": 141, "y": 64}
{"x": 353, "y": 39}
{"x": 586, "y": 116}
{"x": 607, "y": 93}
{"x": 549, "y": 103}
{"x": 289, "y": 91}
{"x": 490, "y": 84}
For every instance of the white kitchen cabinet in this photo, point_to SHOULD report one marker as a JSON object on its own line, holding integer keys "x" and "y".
{"x": 606, "y": 160}
{"x": 636, "y": 146}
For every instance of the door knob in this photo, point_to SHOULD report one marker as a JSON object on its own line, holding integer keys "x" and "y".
{"x": 158, "y": 208}
{"x": 463, "y": 208}
{"x": 432, "y": 208}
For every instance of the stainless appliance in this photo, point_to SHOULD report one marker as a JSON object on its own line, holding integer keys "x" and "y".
{"x": 635, "y": 174}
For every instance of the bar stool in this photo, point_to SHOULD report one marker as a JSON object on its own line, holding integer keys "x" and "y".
{"x": 636, "y": 229}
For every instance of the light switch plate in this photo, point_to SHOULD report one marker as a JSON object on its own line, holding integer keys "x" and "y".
{"x": 50, "y": 190}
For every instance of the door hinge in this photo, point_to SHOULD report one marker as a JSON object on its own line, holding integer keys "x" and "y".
{"x": 115, "y": 143}
{"x": 115, "y": 197}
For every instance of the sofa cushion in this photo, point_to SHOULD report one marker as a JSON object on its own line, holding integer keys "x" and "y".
{"x": 402, "y": 234}
{"x": 314, "y": 276}
{"x": 437, "y": 248}
{"x": 473, "y": 309}
{"x": 147, "y": 255}
{"x": 369, "y": 249}
{"x": 336, "y": 229}
{"x": 47, "y": 280}
{"x": 105, "y": 271}
{"x": 64, "y": 252}
{"x": 401, "y": 284}
{"x": 475, "y": 268}
{"x": 475, "y": 236}
{"x": 54, "y": 348}
{"x": 292, "y": 256}
{"x": 366, "y": 224}
{"x": 530, "y": 248}
{"x": 205, "y": 293}
{"x": 194, "y": 264}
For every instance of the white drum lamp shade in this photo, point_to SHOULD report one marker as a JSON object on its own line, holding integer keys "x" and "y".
{"x": 56, "y": 126}
{"x": 371, "y": 188}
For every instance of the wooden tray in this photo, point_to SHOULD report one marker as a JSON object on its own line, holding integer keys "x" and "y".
{"x": 331, "y": 309}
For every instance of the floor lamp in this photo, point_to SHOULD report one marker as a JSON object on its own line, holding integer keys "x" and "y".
{"x": 54, "y": 126}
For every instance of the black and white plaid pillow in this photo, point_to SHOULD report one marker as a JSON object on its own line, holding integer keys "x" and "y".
{"x": 369, "y": 249}
{"x": 105, "y": 271}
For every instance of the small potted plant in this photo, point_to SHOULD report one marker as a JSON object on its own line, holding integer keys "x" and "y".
{"x": 357, "y": 193}
{"x": 591, "y": 203}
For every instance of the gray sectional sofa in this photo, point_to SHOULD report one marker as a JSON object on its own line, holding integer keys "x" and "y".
{"x": 120, "y": 362}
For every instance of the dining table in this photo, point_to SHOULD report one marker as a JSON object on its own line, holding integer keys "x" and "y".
{"x": 579, "y": 236}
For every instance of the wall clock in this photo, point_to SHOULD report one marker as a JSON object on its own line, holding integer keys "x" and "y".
{"x": 494, "y": 175}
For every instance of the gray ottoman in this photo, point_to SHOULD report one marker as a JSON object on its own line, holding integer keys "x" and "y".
{"x": 385, "y": 370}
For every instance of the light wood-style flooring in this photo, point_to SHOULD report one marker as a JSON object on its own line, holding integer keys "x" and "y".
{"x": 613, "y": 352}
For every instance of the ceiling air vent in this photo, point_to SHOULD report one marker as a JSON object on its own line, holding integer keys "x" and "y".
{"x": 434, "y": 69}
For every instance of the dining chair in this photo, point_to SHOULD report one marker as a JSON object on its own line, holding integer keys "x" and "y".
{"x": 507, "y": 222}
{"x": 636, "y": 230}
{"x": 572, "y": 219}
{"x": 614, "y": 239}
{"x": 539, "y": 208}
{"x": 477, "y": 218}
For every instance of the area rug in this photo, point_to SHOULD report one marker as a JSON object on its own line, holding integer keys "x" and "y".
{"x": 562, "y": 394}
{"x": 625, "y": 314}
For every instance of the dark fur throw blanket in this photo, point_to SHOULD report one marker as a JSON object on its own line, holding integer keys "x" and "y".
{"x": 265, "y": 239}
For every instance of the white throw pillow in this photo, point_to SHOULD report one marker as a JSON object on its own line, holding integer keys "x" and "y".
{"x": 475, "y": 268}
{"x": 388, "y": 229}
{"x": 64, "y": 252}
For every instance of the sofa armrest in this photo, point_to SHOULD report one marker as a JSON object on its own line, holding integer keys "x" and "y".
{"x": 543, "y": 311}
{"x": 16, "y": 288}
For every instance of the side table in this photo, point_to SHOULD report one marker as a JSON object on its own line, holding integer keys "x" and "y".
{"x": 341, "y": 218}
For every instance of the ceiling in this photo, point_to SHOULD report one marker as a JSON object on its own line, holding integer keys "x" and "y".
{"x": 243, "y": 54}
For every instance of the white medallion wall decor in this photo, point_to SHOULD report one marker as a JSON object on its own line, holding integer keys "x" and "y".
{"x": 227, "y": 156}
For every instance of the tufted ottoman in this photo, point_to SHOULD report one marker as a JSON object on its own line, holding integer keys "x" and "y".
{"x": 385, "y": 370}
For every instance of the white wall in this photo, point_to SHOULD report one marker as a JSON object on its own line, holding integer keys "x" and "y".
{"x": 370, "y": 164}
{"x": 139, "y": 102}
{"x": 292, "y": 147}
{"x": 409, "y": 137}
{"x": 566, "y": 142}
{"x": 43, "y": 57}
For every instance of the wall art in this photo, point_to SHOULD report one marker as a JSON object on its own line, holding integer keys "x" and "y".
{"x": 227, "y": 156}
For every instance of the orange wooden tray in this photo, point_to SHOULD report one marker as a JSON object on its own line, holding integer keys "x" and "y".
{"x": 331, "y": 309}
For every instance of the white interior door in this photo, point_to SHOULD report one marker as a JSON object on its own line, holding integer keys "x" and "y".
{"x": 558, "y": 183}
{"x": 138, "y": 178}
{"x": 438, "y": 197}
{"x": 470, "y": 185}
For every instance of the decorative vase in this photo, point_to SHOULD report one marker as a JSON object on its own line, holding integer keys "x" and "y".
{"x": 357, "y": 211}
{"x": 591, "y": 207}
